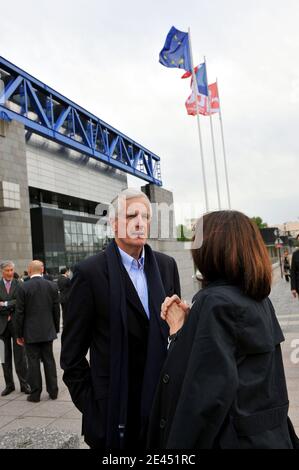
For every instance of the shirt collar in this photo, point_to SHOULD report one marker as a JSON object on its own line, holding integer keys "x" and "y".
{"x": 35, "y": 275}
{"x": 129, "y": 261}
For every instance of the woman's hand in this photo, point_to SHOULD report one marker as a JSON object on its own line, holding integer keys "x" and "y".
{"x": 174, "y": 311}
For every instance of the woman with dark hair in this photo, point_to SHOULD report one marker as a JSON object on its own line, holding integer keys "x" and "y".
{"x": 223, "y": 382}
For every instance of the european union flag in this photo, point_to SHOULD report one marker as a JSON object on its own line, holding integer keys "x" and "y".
{"x": 176, "y": 51}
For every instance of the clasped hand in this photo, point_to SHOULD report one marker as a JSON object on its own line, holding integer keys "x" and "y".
{"x": 174, "y": 311}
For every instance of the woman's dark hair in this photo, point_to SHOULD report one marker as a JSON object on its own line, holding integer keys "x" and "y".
{"x": 233, "y": 250}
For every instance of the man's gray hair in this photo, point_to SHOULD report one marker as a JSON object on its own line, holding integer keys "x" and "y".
{"x": 7, "y": 263}
{"x": 126, "y": 194}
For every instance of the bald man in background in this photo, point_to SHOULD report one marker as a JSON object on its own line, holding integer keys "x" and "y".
{"x": 36, "y": 320}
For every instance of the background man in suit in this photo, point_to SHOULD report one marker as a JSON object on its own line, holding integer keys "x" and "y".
{"x": 295, "y": 272}
{"x": 8, "y": 293}
{"x": 114, "y": 312}
{"x": 64, "y": 286}
{"x": 37, "y": 324}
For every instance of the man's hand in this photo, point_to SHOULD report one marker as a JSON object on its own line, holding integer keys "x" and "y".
{"x": 2, "y": 304}
{"x": 20, "y": 341}
{"x": 295, "y": 294}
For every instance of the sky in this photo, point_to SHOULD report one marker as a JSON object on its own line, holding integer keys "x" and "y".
{"x": 104, "y": 56}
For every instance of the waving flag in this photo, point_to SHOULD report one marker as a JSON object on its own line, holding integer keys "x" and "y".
{"x": 202, "y": 103}
{"x": 176, "y": 51}
{"x": 214, "y": 98}
{"x": 201, "y": 78}
{"x": 202, "y": 100}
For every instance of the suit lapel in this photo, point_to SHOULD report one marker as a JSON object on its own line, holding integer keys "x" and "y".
{"x": 132, "y": 295}
{"x": 3, "y": 291}
{"x": 155, "y": 288}
{"x": 13, "y": 287}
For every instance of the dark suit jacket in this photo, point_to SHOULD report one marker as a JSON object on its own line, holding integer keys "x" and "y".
{"x": 5, "y": 312}
{"x": 64, "y": 286}
{"x": 295, "y": 271}
{"x": 91, "y": 325}
{"x": 37, "y": 311}
{"x": 223, "y": 383}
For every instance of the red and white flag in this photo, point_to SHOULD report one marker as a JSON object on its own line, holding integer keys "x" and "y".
{"x": 202, "y": 100}
{"x": 214, "y": 98}
{"x": 202, "y": 103}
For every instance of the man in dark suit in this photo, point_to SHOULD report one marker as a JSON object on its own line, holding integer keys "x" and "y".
{"x": 64, "y": 286}
{"x": 37, "y": 324}
{"x": 45, "y": 274}
{"x": 295, "y": 272}
{"x": 114, "y": 312}
{"x": 8, "y": 292}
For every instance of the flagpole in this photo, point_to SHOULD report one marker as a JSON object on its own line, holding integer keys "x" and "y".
{"x": 195, "y": 93}
{"x": 224, "y": 152}
{"x": 213, "y": 141}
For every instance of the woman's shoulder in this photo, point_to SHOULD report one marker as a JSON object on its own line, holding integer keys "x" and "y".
{"x": 221, "y": 292}
{"x": 254, "y": 322}
{"x": 224, "y": 297}
{"x": 219, "y": 302}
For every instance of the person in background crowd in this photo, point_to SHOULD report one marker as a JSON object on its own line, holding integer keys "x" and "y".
{"x": 37, "y": 324}
{"x": 45, "y": 273}
{"x": 64, "y": 286}
{"x": 295, "y": 272}
{"x": 25, "y": 276}
{"x": 9, "y": 287}
{"x": 286, "y": 265}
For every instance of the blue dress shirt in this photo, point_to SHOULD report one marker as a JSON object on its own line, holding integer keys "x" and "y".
{"x": 135, "y": 269}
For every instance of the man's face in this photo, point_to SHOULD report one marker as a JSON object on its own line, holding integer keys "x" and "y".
{"x": 8, "y": 273}
{"x": 133, "y": 222}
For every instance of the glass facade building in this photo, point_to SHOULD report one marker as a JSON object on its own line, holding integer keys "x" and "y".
{"x": 65, "y": 230}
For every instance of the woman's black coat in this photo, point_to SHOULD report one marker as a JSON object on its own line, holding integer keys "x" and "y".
{"x": 223, "y": 382}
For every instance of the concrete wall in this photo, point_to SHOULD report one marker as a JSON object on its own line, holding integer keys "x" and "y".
{"x": 60, "y": 170}
{"x": 180, "y": 251}
{"x": 15, "y": 232}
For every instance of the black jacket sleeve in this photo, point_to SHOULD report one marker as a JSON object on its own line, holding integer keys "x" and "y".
{"x": 211, "y": 378}
{"x": 18, "y": 317}
{"x": 76, "y": 339}
{"x": 294, "y": 273}
{"x": 56, "y": 308}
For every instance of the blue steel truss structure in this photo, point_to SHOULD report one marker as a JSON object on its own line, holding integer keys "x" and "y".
{"x": 45, "y": 112}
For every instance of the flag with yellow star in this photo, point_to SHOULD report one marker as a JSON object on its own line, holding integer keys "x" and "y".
{"x": 176, "y": 50}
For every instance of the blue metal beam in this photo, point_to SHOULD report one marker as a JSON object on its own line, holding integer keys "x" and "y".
{"x": 45, "y": 112}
